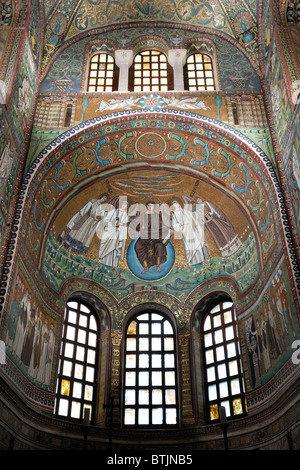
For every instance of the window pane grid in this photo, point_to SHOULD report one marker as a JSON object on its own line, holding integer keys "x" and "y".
{"x": 150, "y": 372}
{"x": 200, "y": 72}
{"x": 78, "y": 362}
{"x": 150, "y": 71}
{"x": 223, "y": 367}
{"x": 101, "y": 71}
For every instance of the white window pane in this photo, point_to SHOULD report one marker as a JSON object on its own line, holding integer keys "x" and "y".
{"x": 78, "y": 373}
{"x": 226, "y": 405}
{"x": 218, "y": 336}
{"x": 143, "y": 397}
{"x": 169, "y": 361}
{"x": 77, "y": 390}
{"x": 171, "y": 416}
{"x": 63, "y": 407}
{"x": 220, "y": 353}
{"x": 72, "y": 316}
{"x": 143, "y": 328}
{"x": 144, "y": 361}
{"x": 235, "y": 386}
{"x": 83, "y": 321}
{"x": 130, "y": 361}
{"x": 80, "y": 353}
{"x": 67, "y": 368}
{"x": 233, "y": 367}
{"x": 91, "y": 356}
{"x": 168, "y": 330}
{"x": 130, "y": 379}
{"x": 223, "y": 389}
{"x": 156, "y": 316}
{"x": 156, "y": 328}
{"x": 222, "y": 373}
{"x": 90, "y": 374}
{"x": 231, "y": 350}
{"x": 157, "y": 416}
{"x": 169, "y": 344}
{"x": 207, "y": 323}
{"x": 88, "y": 392}
{"x": 143, "y": 416}
{"x": 215, "y": 309}
{"x": 143, "y": 378}
{"x": 170, "y": 378}
{"x": 143, "y": 344}
{"x": 170, "y": 397}
{"x": 69, "y": 350}
{"x": 157, "y": 361}
{"x": 211, "y": 374}
{"x": 92, "y": 340}
{"x": 208, "y": 340}
{"x": 157, "y": 396}
{"x": 229, "y": 333}
{"x": 156, "y": 344}
{"x": 130, "y": 397}
{"x": 156, "y": 378}
{"x": 81, "y": 336}
{"x": 93, "y": 324}
{"x": 209, "y": 356}
{"x": 70, "y": 333}
{"x": 131, "y": 344}
{"x": 212, "y": 392}
{"x": 129, "y": 417}
{"x": 217, "y": 321}
{"x": 75, "y": 410}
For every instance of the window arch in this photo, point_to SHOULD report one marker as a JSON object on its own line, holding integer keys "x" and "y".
{"x": 150, "y": 71}
{"x": 150, "y": 391}
{"x": 78, "y": 362}
{"x": 224, "y": 384}
{"x": 199, "y": 72}
{"x": 103, "y": 74}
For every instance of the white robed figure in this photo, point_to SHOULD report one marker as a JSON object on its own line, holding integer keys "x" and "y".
{"x": 114, "y": 222}
{"x": 189, "y": 224}
{"x": 77, "y": 235}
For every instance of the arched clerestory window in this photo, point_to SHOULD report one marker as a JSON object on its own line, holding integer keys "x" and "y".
{"x": 150, "y": 71}
{"x": 103, "y": 73}
{"x": 150, "y": 372}
{"x": 223, "y": 374}
{"x": 78, "y": 363}
{"x": 199, "y": 73}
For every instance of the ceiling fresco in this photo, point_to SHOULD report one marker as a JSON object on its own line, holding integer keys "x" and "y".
{"x": 68, "y": 19}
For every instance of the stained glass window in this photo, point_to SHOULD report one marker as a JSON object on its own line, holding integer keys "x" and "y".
{"x": 199, "y": 72}
{"x": 77, "y": 372}
{"x": 103, "y": 73}
{"x": 223, "y": 367}
{"x": 150, "y": 72}
{"x": 150, "y": 392}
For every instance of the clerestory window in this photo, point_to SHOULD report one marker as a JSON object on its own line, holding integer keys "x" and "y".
{"x": 150, "y": 72}
{"x": 150, "y": 390}
{"x": 103, "y": 73}
{"x": 78, "y": 363}
{"x": 224, "y": 382}
{"x": 199, "y": 73}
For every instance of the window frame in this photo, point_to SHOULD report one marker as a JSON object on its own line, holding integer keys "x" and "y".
{"x": 91, "y": 404}
{"x": 219, "y": 401}
{"x": 169, "y": 69}
{"x": 115, "y": 74}
{"x": 164, "y": 425}
{"x": 187, "y": 85}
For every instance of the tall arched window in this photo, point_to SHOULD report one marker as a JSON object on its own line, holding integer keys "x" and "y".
{"x": 150, "y": 71}
{"x": 77, "y": 371}
{"x": 222, "y": 362}
{"x": 199, "y": 73}
{"x": 103, "y": 73}
{"x": 150, "y": 391}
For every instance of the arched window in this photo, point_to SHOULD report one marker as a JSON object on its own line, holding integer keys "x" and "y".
{"x": 222, "y": 362}
{"x": 150, "y": 391}
{"x": 77, "y": 371}
{"x": 150, "y": 71}
{"x": 103, "y": 73}
{"x": 199, "y": 73}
